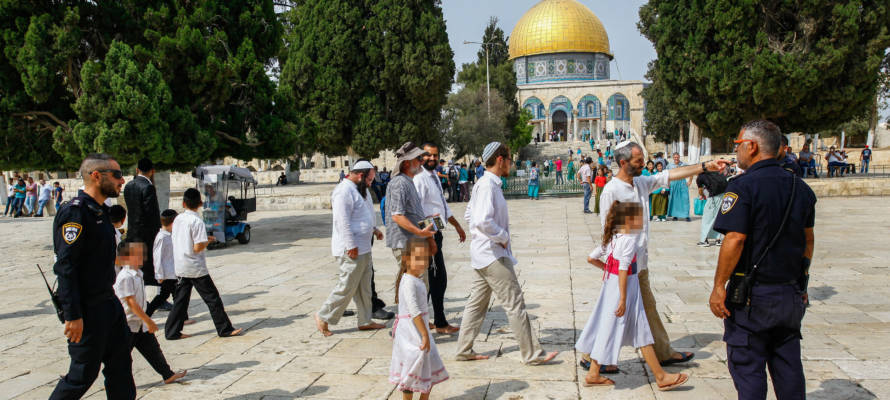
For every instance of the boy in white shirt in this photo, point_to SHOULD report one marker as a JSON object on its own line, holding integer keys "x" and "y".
{"x": 189, "y": 242}
{"x": 130, "y": 289}
{"x": 162, "y": 258}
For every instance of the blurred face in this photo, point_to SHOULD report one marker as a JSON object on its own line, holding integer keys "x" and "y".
{"x": 659, "y": 167}
{"x": 676, "y": 158}
{"x": 635, "y": 223}
{"x": 136, "y": 255}
{"x": 432, "y": 159}
{"x": 418, "y": 261}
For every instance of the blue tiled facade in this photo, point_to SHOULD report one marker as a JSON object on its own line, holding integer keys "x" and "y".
{"x": 559, "y": 67}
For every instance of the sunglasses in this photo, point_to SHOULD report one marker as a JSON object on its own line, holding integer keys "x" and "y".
{"x": 116, "y": 173}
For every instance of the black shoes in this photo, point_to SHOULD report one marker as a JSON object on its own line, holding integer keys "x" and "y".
{"x": 166, "y": 306}
{"x": 383, "y": 314}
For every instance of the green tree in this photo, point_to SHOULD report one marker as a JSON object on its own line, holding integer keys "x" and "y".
{"x": 466, "y": 127}
{"x": 502, "y": 79}
{"x": 209, "y": 57}
{"x": 805, "y": 65}
{"x": 365, "y": 76}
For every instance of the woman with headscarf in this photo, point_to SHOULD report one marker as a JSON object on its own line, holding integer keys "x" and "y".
{"x": 678, "y": 203}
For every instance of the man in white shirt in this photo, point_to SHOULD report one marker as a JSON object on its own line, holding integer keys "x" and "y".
{"x": 432, "y": 198}
{"x": 44, "y": 199}
{"x": 491, "y": 257}
{"x": 354, "y": 223}
{"x": 630, "y": 186}
{"x": 585, "y": 176}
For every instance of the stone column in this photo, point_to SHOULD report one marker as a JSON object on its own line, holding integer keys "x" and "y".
{"x": 162, "y": 186}
{"x": 575, "y": 134}
{"x": 694, "y": 143}
{"x": 548, "y": 126}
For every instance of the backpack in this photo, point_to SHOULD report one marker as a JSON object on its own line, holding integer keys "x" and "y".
{"x": 453, "y": 173}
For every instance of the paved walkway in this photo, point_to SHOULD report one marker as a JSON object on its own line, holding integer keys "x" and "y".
{"x": 272, "y": 286}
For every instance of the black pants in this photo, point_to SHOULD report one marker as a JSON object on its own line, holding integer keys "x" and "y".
{"x": 767, "y": 337}
{"x": 207, "y": 290}
{"x": 376, "y": 303}
{"x": 105, "y": 341}
{"x": 438, "y": 282}
{"x": 148, "y": 346}
{"x": 168, "y": 287}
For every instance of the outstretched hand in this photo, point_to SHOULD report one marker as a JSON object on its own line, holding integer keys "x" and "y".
{"x": 717, "y": 165}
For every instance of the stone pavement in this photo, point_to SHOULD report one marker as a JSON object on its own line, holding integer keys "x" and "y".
{"x": 272, "y": 286}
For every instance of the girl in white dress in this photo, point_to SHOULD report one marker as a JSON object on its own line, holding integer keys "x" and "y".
{"x": 416, "y": 365}
{"x": 619, "y": 318}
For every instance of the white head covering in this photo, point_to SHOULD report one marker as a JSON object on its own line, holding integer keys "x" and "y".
{"x": 361, "y": 165}
{"x": 489, "y": 151}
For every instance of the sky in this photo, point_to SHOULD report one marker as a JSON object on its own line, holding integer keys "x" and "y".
{"x": 467, "y": 19}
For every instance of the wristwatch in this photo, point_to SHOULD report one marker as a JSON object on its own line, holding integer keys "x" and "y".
{"x": 703, "y": 168}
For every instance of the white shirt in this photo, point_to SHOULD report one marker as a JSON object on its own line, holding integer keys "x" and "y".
{"x": 129, "y": 283}
{"x": 354, "y": 220}
{"x": 45, "y": 192}
{"x": 620, "y": 190}
{"x": 489, "y": 223}
{"x": 189, "y": 230}
{"x": 622, "y": 248}
{"x": 10, "y": 190}
{"x": 429, "y": 189}
{"x": 162, "y": 255}
{"x": 834, "y": 157}
{"x": 585, "y": 174}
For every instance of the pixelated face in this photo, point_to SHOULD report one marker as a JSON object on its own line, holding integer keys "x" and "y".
{"x": 137, "y": 254}
{"x": 419, "y": 258}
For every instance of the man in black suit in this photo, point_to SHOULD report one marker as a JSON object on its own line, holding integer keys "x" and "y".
{"x": 143, "y": 214}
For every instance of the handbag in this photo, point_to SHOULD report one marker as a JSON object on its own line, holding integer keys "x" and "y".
{"x": 700, "y": 206}
{"x": 738, "y": 289}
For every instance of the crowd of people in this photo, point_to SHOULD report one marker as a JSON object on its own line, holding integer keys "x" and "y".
{"x": 26, "y": 198}
{"x": 106, "y": 313}
{"x": 805, "y": 165}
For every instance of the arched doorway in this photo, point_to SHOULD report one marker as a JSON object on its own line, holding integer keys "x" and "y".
{"x": 560, "y": 124}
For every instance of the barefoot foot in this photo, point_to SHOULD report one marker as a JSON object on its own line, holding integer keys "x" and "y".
{"x": 177, "y": 376}
{"x": 543, "y": 360}
{"x": 372, "y": 326}
{"x": 322, "y": 326}
{"x": 236, "y": 332}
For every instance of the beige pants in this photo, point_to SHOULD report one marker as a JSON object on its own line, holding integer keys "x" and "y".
{"x": 397, "y": 254}
{"x": 355, "y": 285}
{"x": 498, "y": 278}
{"x": 663, "y": 348}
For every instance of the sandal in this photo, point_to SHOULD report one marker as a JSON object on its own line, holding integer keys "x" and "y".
{"x": 686, "y": 357}
{"x": 681, "y": 379}
{"x": 585, "y": 364}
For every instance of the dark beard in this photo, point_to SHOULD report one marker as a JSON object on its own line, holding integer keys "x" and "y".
{"x": 108, "y": 188}
{"x": 429, "y": 166}
{"x": 362, "y": 188}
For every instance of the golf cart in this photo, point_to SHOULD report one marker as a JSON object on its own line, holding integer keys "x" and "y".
{"x": 229, "y": 194}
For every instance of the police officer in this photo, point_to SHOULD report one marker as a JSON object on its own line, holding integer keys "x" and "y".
{"x": 95, "y": 324}
{"x": 763, "y": 329}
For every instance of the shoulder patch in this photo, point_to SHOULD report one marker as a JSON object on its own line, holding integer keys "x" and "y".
{"x": 729, "y": 200}
{"x": 71, "y": 231}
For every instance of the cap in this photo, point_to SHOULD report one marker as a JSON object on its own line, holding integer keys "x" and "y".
{"x": 407, "y": 152}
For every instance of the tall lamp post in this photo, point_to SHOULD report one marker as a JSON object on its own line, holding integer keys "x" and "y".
{"x": 487, "y": 76}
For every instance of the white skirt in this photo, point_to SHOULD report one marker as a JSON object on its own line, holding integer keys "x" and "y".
{"x": 605, "y": 333}
{"x": 412, "y": 369}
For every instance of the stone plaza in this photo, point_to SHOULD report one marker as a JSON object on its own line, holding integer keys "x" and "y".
{"x": 272, "y": 286}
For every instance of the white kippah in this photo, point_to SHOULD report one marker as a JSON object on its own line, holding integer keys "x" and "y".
{"x": 489, "y": 151}
{"x": 361, "y": 165}
{"x": 623, "y": 144}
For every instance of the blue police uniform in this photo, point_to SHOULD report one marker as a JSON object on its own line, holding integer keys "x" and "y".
{"x": 766, "y": 333}
{"x": 790, "y": 164}
{"x": 84, "y": 243}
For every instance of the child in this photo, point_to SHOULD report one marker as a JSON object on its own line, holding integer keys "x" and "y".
{"x": 416, "y": 365}
{"x": 600, "y": 182}
{"x": 165, "y": 272}
{"x": 130, "y": 289}
{"x": 189, "y": 237}
{"x": 660, "y": 199}
{"x": 118, "y": 216}
{"x": 619, "y": 318}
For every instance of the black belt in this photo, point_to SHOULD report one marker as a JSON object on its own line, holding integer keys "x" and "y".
{"x": 775, "y": 283}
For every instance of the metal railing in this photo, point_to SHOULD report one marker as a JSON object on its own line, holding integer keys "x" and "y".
{"x": 517, "y": 186}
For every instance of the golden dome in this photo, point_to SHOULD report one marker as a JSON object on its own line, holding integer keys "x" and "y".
{"x": 558, "y": 26}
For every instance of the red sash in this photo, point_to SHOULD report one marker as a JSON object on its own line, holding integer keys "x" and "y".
{"x": 612, "y": 267}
